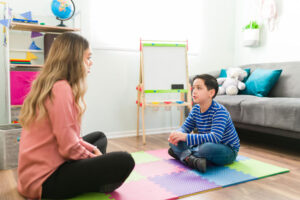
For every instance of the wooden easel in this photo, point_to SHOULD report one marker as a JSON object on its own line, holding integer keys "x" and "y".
{"x": 141, "y": 99}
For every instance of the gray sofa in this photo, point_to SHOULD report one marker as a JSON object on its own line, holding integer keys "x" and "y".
{"x": 277, "y": 114}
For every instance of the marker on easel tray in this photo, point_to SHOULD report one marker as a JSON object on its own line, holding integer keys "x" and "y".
{"x": 179, "y": 107}
{"x": 155, "y": 102}
{"x": 155, "y": 108}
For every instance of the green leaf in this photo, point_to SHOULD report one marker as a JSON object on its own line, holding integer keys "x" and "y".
{"x": 252, "y": 25}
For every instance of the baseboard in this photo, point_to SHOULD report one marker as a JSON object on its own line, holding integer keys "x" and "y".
{"x": 119, "y": 134}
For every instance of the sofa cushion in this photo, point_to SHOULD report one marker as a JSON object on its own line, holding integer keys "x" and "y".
{"x": 283, "y": 113}
{"x": 233, "y": 104}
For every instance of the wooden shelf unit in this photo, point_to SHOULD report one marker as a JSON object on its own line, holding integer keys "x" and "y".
{"x": 27, "y": 50}
{"x": 16, "y": 106}
{"x": 16, "y": 26}
{"x": 24, "y": 65}
{"x": 41, "y": 28}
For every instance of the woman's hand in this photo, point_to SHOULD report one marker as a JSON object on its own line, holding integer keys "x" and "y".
{"x": 97, "y": 152}
{"x": 176, "y": 136}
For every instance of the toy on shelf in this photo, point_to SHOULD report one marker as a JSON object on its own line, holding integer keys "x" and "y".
{"x": 20, "y": 61}
{"x": 27, "y": 18}
{"x": 27, "y": 15}
{"x": 25, "y": 21}
{"x": 35, "y": 34}
{"x": 33, "y": 46}
{"x": 30, "y": 56}
{"x": 5, "y": 22}
{"x": 63, "y": 10}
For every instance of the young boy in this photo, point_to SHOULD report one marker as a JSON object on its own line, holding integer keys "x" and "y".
{"x": 217, "y": 141}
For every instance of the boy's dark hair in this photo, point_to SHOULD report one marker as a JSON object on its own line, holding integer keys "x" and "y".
{"x": 210, "y": 82}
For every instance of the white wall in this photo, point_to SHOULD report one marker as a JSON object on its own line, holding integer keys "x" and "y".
{"x": 111, "y": 95}
{"x": 217, "y": 38}
{"x": 282, "y": 44}
{"x": 37, "y": 7}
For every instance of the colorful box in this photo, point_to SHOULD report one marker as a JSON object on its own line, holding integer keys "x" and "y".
{"x": 20, "y": 85}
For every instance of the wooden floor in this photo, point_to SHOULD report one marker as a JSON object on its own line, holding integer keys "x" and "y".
{"x": 275, "y": 150}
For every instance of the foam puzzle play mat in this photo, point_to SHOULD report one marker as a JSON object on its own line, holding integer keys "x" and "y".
{"x": 158, "y": 176}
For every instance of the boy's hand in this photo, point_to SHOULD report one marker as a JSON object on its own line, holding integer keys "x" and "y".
{"x": 177, "y": 136}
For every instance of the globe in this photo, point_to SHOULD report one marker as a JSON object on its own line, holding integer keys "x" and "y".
{"x": 63, "y": 10}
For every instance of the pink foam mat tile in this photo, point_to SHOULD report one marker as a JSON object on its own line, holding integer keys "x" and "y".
{"x": 141, "y": 190}
{"x": 157, "y": 168}
{"x": 160, "y": 153}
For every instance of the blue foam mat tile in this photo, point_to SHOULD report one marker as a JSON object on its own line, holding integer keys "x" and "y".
{"x": 224, "y": 176}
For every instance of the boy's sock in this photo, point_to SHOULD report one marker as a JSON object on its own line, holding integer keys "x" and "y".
{"x": 196, "y": 163}
{"x": 171, "y": 153}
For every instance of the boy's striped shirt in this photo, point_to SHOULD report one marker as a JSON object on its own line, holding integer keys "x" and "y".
{"x": 214, "y": 125}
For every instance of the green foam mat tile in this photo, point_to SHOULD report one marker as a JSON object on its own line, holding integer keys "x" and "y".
{"x": 93, "y": 196}
{"x": 134, "y": 176}
{"x": 143, "y": 157}
{"x": 257, "y": 168}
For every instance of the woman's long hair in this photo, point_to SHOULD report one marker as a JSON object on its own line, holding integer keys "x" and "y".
{"x": 64, "y": 62}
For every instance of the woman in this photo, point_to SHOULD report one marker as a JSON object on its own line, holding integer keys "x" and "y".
{"x": 54, "y": 161}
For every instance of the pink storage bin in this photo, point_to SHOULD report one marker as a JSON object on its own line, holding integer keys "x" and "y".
{"x": 20, "y": 85}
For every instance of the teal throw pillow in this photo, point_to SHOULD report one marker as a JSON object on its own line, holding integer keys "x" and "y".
{"x": 261, "y": 82}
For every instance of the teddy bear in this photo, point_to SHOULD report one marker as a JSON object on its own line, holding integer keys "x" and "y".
{"x": 233, "y": 82}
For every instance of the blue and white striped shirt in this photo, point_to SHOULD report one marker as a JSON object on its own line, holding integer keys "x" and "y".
{"x": 214, "y": 125}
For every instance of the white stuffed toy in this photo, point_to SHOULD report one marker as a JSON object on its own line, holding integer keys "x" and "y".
{"x": 233, "y": 82}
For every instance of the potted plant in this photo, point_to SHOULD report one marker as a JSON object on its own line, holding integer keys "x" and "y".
{"x": 251, "y": 34}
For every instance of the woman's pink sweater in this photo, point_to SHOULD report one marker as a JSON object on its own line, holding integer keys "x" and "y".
{"x": 50, "y": 142}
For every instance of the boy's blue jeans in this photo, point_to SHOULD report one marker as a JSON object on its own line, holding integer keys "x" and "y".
{"x": 218, "y": 154}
